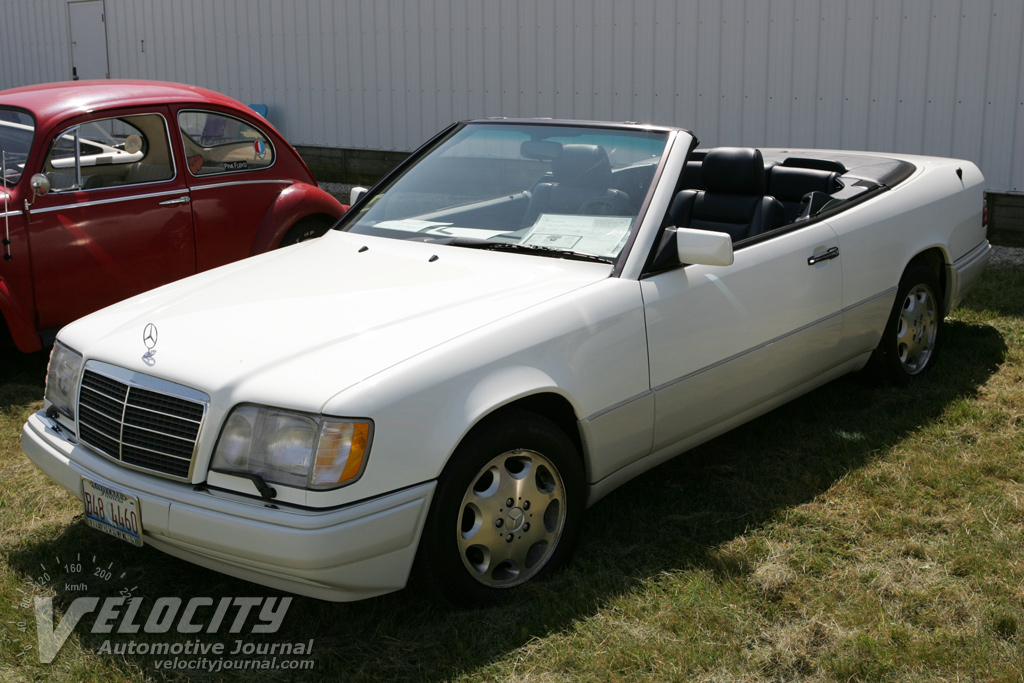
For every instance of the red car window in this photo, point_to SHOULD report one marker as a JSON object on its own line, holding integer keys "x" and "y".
{"x": 110, "y": 152}
{"x": 16, "y": 131}
{"x": 216, "y": 143}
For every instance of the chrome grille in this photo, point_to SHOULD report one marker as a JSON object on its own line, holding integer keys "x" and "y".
{"x": 138, "y": 426}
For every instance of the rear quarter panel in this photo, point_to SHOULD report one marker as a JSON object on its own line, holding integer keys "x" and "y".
{"x": 933, "y": 208}
{"x": 227, "y": 212}
{"x": 296, "y": 202}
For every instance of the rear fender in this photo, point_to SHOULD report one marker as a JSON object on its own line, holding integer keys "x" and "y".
{"x": 296, "y": 202}
{"x": 19, "y": 322}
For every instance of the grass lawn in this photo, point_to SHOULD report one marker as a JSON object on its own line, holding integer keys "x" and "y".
{"x": 857, "y": 534}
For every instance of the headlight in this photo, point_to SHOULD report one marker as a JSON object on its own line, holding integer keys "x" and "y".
{"x": 293, "y": 449}
{"x": 62, "y": 378}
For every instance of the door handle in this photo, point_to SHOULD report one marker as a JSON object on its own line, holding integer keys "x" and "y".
{"x": 180, "y": 200}
{"x": 830, "y": 254}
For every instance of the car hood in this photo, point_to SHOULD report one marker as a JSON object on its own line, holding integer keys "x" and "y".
{"x": 295, "y": 327}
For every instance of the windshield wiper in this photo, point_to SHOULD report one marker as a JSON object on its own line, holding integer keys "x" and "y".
{"x": 477, "y": 243}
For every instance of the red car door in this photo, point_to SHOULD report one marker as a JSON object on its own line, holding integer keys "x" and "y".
{"x": 228, "y": 160}
{"x": 117, "y": 219}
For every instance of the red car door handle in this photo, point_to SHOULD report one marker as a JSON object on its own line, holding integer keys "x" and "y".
{"x": 180, "y": 200}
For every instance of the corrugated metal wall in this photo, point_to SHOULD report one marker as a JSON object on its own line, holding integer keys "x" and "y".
{"x": 938, "y": 77}
{"x": 34, "y": 42}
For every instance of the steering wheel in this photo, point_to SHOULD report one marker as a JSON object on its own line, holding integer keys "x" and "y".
{"x": 608, "y": 205}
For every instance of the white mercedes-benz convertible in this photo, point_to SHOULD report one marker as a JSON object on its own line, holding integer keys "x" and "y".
{"x": 520, "y": 318}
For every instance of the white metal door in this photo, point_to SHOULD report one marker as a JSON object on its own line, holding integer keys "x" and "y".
{"x": 723, "y": 340}
{"x": 88, "y": 40}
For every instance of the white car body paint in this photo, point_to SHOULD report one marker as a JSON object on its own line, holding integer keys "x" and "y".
{"x": 427, "y": 339}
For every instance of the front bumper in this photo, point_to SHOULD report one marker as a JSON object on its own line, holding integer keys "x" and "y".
{"x": 349, "y": 553}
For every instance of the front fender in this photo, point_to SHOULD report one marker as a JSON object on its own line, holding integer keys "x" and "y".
{"x": 466, "y": 406}
{"x": 19, "y": 322}
{"x": 296, "y": 202}
{"x": 585, "y": 349}
{"x": 504, "y": 386}
{"x": 490, "y": 393}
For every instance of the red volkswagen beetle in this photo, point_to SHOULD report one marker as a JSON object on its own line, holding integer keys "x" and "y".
{"x": 111, "y": 188}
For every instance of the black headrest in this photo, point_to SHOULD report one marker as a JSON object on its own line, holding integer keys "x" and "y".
{"x": 789, "y": 184}
{"x": 819, "y": 164}
{"x": 690, "y": 179}
{"x": 582, "y": 165}
{"x": 734, "y": 170}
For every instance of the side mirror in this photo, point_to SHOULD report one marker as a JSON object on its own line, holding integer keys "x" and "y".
{"x": 40, "y": 185}
{"x": 704, "y": 247}
{"x": 356, "y": 194}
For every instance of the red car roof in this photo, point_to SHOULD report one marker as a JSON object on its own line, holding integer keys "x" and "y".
{"x": 48, "y": 101}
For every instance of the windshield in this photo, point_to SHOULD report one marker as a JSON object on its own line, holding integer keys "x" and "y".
{"x": 557, "y": 190}
{"x": 16, "y": 131}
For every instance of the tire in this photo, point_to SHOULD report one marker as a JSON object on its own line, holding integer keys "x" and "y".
{"x": 912, "y": 336}
{"x": 506, "y": 511}
{"x": 6, "y": 338}
{"x": 306, "y": 229}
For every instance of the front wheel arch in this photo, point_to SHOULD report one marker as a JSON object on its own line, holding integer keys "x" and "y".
{"x": 17, "y": 322}
{"x": 553, "y": 407}
{"x": 469, "y": 553}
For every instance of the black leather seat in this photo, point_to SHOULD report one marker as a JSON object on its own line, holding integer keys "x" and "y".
{"x": 581, "y": 178}
{"x": 734, "y": 200}
{"x": 691, "y": 176}
{"x": 789, "y": 184}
